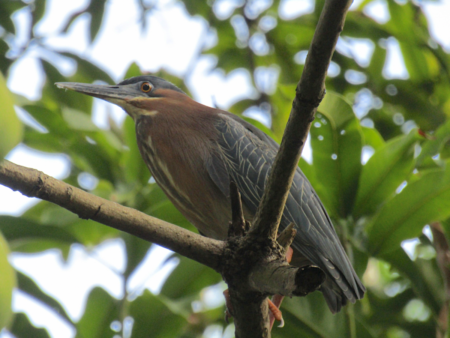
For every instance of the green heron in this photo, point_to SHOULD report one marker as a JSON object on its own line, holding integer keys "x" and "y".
{"x": 193, "y": 151}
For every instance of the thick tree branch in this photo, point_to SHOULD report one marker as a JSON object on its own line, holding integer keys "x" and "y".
{"x": 309, "y": 93}
{"x": 34, "y": 183}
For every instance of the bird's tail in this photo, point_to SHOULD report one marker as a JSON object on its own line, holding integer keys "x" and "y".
{"x": 336, "y": 297}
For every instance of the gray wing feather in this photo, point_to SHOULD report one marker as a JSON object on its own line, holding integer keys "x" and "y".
{"x": 219, "y": 174}
{"x": 248, "y": 154}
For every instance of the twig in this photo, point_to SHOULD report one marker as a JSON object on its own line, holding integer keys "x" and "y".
{"x": 287, "y": 236}
{"x": 237, "y": 225}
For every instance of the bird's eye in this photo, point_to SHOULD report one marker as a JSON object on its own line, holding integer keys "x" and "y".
{"x": 146, "y": 87}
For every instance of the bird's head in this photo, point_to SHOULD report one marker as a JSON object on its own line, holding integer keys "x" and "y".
{"x": 136, "y": 95}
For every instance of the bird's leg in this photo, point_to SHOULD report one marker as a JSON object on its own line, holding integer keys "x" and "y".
{"x": 275, "y": 303}
{"x": 228, "y": 306}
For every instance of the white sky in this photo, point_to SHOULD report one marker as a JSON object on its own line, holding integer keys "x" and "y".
{"x": 170, "y": 42}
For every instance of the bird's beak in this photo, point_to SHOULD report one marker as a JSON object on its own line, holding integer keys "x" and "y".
{"x": 114, "y": 94}
{"x": 125, "y": 96}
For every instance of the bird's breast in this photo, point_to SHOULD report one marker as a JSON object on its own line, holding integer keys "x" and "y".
{"x": 176, "y": 157}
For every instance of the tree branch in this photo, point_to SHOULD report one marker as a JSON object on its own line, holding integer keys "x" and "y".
{"x": 34, "y": 183}
{"x": 309, "y": 93}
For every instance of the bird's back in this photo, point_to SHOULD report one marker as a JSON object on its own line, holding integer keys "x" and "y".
{"x": 248, "y": 155}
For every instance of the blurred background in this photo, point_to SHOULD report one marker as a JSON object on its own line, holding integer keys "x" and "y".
{"x": 377, "y": 156}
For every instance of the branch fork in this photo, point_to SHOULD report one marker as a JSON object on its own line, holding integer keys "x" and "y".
{"x": 255, "y": 266}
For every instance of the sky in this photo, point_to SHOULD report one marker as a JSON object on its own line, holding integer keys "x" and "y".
{"x": 170, "y": 42}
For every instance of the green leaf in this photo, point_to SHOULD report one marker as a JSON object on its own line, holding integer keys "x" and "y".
{"x": 197, "y": 8}
{"x": 96, "y": 9}
{"x": 423, "y": 201}
{"x": 22, "y": 328}
{"x": 165, "y": 210}
{"x": 310, "y": 317}
{"x": 54, "y": 98}
{"x": 135, "y": 168}
{"x": 101, "y": 310}
{"x": 44, "y": 142}
{"x": 65, "y": 226}
{"x": 31, "y": 246}
{"x": 88, "y": 70}
{"x": 93, "y": 158}
{"x": 18, "y": 230}
{"x": 153, "y": 317}
{"x": 136, "y": 250}
{"x": 91, "y": 233}
{"x": 28, "y": 285}
{"x": 133, "y": 70}
{"x": 7, "y": 8}
{"x": 377, "y": 62}
{"x": 10, "y": 125}
{"x": 372, "y": 138}
{"x": 336, "y": 140}
{"x": 38, "y": 11}
{"x": 389, "y": 166}
{"x": 188, "y": 278}
{"x": 49, "y": 119}
{"x": 281, "y": 103}
{"x": 425, "y": 282}
{"x": 434, "y": 145}
{"x": 387, "y": 311}
{"x": 7, "y": 284}
{"x": 4, "y": 61}
{"x": 78, "y": 120}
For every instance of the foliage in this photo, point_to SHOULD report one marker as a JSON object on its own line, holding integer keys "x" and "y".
{"x": 374, "y": 205}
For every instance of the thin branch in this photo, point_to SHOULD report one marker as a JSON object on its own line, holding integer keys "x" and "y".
{"x": 309, "y": 93}
{"x": 287, "y": 236}
{"x": 34, "y": 183}
{"x": 237, "y": 225}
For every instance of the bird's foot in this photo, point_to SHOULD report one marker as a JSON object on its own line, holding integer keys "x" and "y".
{"x": 274, "y": 308}
{"x": 274, "y": 311}
{"x": 275, "y": 303}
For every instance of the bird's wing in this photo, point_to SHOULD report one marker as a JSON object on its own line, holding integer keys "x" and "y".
{"x": 247, "y": 154}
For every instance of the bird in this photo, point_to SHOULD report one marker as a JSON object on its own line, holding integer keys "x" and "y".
{"x": 194, "y": 151}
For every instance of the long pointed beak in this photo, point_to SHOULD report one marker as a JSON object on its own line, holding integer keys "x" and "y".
{"x": 114, "y": 94}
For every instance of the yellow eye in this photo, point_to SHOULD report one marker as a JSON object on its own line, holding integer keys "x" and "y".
{"x": 146, "y": 87}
